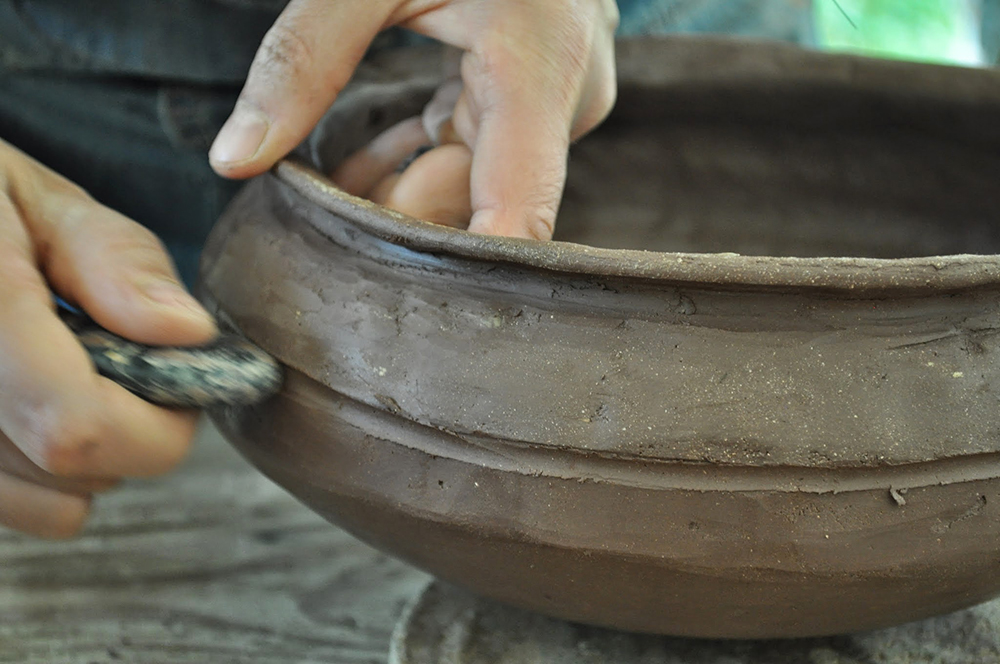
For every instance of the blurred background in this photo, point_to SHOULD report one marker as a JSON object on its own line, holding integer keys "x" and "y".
{"x": 962, "y": 32}
{"x": 949, "y": 31}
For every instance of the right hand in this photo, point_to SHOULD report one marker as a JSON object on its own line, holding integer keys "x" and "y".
{"x": 533, "y": 76}
{"x": 65, "y": 431}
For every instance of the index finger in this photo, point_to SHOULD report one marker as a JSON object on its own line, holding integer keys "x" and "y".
{"x": 524, "y": 80}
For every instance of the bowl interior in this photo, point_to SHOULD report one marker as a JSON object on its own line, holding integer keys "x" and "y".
{"x": 758, "y": 150}
{"x": 761, "y": 172}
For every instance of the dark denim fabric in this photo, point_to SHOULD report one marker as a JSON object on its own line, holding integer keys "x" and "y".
{"x": 195, "y": 41}
{"x": 125, "y": 96}
{"x": 136, "y": 146}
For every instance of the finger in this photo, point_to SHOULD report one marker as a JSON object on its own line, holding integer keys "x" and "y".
{"x": 63, "y": 416}
{"x": 360, "y": 172}
{"x": 14, "y": 462}
{"x": 131, "y": 438}
{"x": 380, "y": 192}
{"x": 105, "y": 263}
{"x": 39, "y": 511}
{"x": 437, "y": 114}
{"x": 303, "y": 63}
{"x": 522, "y": 88}
{"x": 448, "y": 134}
{"x": 600, "y": 87}
{"x": 435, "y": 187}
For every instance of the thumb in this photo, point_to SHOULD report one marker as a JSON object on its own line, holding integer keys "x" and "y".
{"x": 304, "y": 61}
{"x": 113, "y": 268}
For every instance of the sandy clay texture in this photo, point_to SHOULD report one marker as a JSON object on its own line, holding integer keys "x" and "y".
{"x": 751, "y": 392}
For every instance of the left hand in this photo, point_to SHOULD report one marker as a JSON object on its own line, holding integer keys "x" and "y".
{"x": 534, "y": 76}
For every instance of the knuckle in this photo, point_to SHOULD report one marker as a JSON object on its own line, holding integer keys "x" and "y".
{"x": 21, "y": 279}
{"x": 543, "y": 208}
{"x": 539, "y": 214}
{"x": 91, "y": 235}
{"x": 102, "y": 485}
{"x": 576, "y": 39}
{"x": 612, "y": 14}
{"x": 63, "y": 192}
{"x": 59, "y": 442}
{"x": 489, "y": 63}
{"x": 69, "y": 211}
{"x": 283, "y": 51}
{"x": 541, "y": 223}
{"x": 548, "y": 65}
{"x": 598, "y": 109}
{"x": 604, "y": 101}
{"x": 69, "y": 522}
{"x": 574, "y": 34}
{"x": 139, "y": 249}
{"x": 139, "y": 244}
{"x": 71, "y": 454}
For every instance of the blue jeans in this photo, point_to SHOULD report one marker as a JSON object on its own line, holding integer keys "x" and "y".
{"x": 124, "y": 97}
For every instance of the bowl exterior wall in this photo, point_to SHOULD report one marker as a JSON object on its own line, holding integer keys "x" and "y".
{"x": 695, "y": 444}
{"x": 656, "y": 558}
{"x": 658, "y": 370}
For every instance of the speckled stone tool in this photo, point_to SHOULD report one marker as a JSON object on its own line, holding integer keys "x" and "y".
{"x": 229, "y": 371}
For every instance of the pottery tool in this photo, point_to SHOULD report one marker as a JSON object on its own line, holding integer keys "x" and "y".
{"x": 229, "y": 371}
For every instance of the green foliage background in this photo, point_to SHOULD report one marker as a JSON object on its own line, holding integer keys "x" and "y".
{"x": 927, "y": 30}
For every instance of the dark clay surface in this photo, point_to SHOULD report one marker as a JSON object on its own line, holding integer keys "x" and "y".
{"x": 697, "y": 444}
{"x": 652, "y": 554}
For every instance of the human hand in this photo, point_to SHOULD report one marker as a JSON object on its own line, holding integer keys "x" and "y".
{"x": 66, "y": 432}
{"x": 533, "y": 77}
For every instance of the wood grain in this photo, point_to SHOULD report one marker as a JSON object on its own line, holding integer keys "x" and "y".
{"x": 213, "y": 563}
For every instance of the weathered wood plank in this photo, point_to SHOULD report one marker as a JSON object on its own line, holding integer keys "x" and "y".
{"x": 211, "y": 564}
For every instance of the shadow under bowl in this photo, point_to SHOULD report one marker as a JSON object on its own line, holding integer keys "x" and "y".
{"x": 751, "y": 393}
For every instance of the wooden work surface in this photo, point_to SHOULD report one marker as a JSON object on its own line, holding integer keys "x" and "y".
{"x": 212, "y": 564}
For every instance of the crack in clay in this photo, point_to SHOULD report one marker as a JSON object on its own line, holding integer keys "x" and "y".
{"x": 970, "y": 513}
{"x": 925, "y": 342}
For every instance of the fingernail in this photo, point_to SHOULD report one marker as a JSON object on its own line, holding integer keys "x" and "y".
{"x": 241, "y": 136}
{"x": 173, "y": 295}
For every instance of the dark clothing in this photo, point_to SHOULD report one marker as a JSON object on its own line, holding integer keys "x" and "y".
{"x": 194, "y": 41}
{"x": 124, "y": 98}
{"x": 137, "y": 147}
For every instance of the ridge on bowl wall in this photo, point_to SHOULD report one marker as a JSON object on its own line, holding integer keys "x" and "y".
{"x": 783, "y": 422}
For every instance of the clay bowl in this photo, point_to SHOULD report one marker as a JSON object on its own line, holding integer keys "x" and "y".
{"x": 783, "y": 422}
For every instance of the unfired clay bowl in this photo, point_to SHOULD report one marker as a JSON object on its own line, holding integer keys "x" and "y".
{"x": 801, "y": 437}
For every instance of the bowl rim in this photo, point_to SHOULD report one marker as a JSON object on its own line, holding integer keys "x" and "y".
{"x": 920, "y": 275}
{"x": 701, "y": 60}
